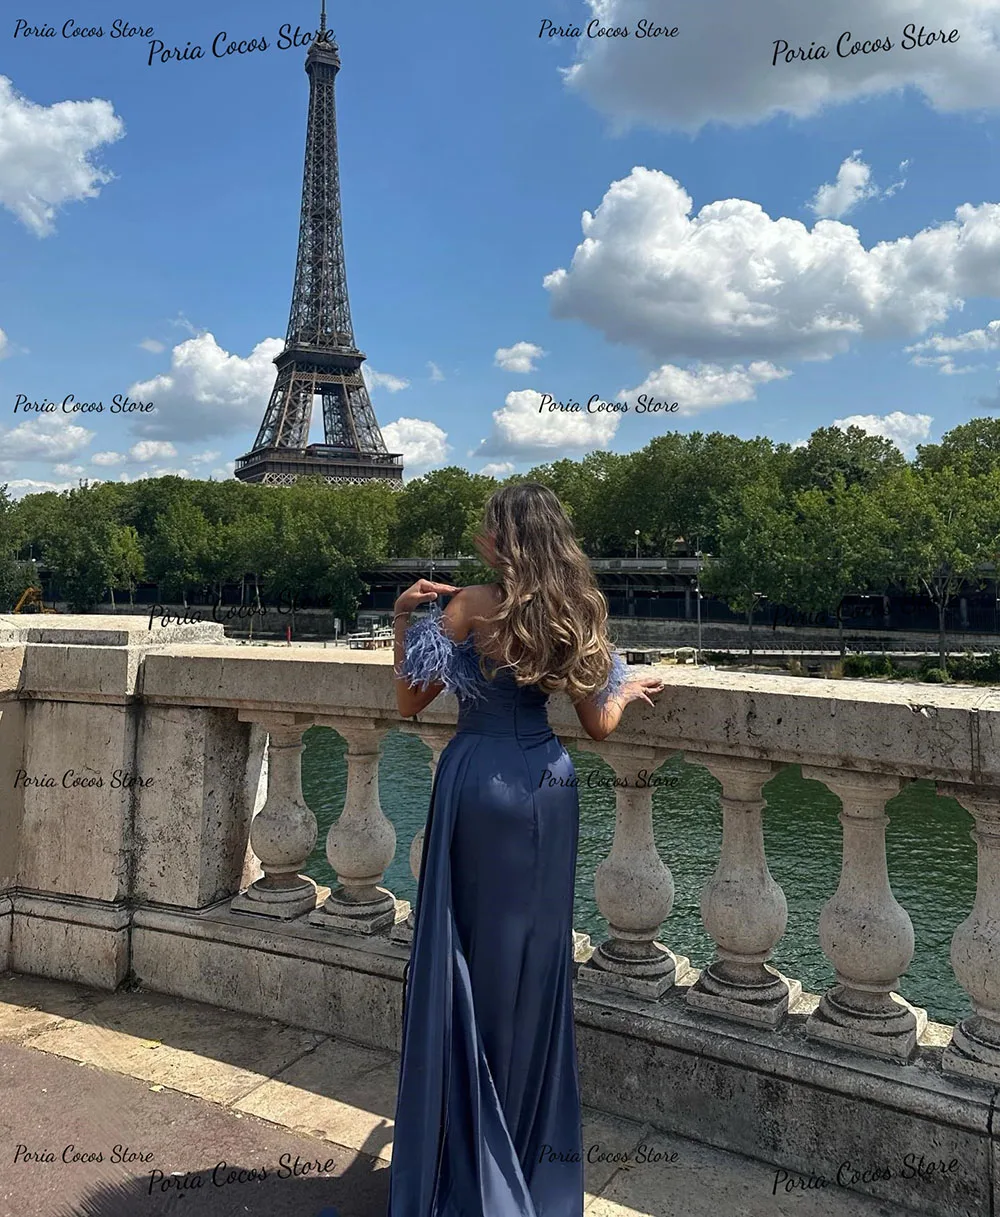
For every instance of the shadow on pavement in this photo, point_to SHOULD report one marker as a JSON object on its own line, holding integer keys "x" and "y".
{"x": 358, "y": 1192}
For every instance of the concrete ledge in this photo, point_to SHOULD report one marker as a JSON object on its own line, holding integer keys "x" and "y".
{"x": 291, "y": 971}
{"x": 801, "y": 1105}
{"x": 70, "y": 938}
{"x": 774, "y": 1096}
{"x": 6, "y": 923}
{"x": 102, "y": 630}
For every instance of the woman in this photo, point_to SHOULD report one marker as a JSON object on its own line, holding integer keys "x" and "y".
{"x": 488, "y": 1117}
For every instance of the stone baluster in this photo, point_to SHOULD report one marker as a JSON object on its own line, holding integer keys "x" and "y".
{"x": 974, "y": 1050}
{"x": 361, "y": 842}
{"x": 435, "y": 737}
{"x": 633, "y": 887}
{"x": 284, "y": 832}
{"x": 742, "y": 907}
{"x": 864, "y": 931}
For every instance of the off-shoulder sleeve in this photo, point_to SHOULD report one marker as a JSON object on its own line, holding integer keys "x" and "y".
{"x": 617, "y": 678}
{"x": 429, "y": 655}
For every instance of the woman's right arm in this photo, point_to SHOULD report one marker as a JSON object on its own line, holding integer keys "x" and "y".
{"x": 600, "y": 714}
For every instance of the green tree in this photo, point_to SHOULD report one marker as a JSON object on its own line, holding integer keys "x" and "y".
{"x": 15, "y": 575}
{"x": 304, "y": 559}
{"x": 945, "y": 529}
{"x": 33, "y": 514}
{"x": 755, "y": 544}
{"x": 859, "y": 457}
{"x": 840, "y": 546}
{"x": 179, "y": 549}
{"x": 448, "y": 502}
{"x": 127, "y": 563}
{"x": 78, "y": 545}
{"x": 593, "y": 492}
{"x": 975, "y": 444}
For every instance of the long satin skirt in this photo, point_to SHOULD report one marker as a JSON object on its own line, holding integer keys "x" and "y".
{"x": 488, "y": 1120}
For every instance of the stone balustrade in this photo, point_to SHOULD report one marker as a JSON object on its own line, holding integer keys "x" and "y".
{"x": 195, "y": 882}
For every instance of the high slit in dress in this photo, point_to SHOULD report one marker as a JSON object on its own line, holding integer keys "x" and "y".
{"x": 488, "y": 1120}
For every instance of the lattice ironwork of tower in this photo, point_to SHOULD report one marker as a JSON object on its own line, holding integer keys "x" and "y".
{"x": 320, "y": 358}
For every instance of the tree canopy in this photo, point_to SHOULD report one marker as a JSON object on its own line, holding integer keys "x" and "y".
{"x": 841, "y": 514}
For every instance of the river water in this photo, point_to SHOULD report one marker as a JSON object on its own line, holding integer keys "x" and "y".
{"x": 932, "y": 858}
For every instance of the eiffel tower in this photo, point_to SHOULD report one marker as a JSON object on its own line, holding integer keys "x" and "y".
{"x": 320, "y": 356}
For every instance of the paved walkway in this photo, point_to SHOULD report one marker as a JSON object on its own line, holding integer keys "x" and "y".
{"x": 136, "y": 1104}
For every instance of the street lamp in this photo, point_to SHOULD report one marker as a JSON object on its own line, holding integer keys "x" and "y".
{"x": 697, "y": 588}
{"x": 637, "y": 545}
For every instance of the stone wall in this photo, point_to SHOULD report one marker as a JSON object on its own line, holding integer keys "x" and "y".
{"x": 626, "y": 631}
{"x": 639, "y": 632}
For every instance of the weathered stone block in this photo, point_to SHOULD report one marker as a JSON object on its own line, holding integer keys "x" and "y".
{"x": 192, "y": 824}
{"x": 84, "y": 941}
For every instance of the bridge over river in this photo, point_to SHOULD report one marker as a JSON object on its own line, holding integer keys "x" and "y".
{"x": 751, "y": 993}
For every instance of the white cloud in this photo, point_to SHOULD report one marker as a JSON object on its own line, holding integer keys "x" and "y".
{"x": 18, "y": 488}
{"x": 853, "y": 186}
{"x": 203, "y": 458}
{"x": 946, "y": 365}
{"x": 722, "y": 69}
{"x": 522, "y": 428}
{"x": 905, "y": 430}
{"x": 68, "y": 471}
{"x": 987, "y": 339}
{"x": 422, "y": 443}
{"x": 382, "y": 380}
{"x": 107, "y": 458}
{"x": 894, "y": 187}
{"x": 181, "y": 322}
{"x": 434, "y": 371}
{"x": 208, "y": 392}
{"x": 151, "y": 450}
{"x": 162, "y": 471}
{"x": 46, "y": 438}
{"x": 45, "y": 154}
{"x": 520, "y": 357}
{"x": 731, "y": 282}
{"x": 498, "y": 469}
{"x": 158, "y": 471}
{"x": 4, "y": 345}
{"x": 704, "y": 385}
{"x": 221, "y": 474}
{"x": 151, "y": 345}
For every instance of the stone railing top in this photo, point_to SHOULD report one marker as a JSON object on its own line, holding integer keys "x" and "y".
{"x": 103, "y": 630}
{"x": 95, "y": 658}
{"x": 946, "y": 733}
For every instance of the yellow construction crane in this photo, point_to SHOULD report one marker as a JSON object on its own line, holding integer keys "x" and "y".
{"x": 31, "y": 602}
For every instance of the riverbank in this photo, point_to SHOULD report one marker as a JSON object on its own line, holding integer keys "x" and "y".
{"x": 320, "y": 625}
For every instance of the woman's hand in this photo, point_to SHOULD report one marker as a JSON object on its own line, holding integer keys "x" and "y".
{"x": 600, "y": 720}
{"x": 421, "y": 592}
{"x": 643, "y": 689}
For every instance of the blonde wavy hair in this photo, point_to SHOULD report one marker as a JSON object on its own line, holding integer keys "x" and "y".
{"x": 551, "y": 625}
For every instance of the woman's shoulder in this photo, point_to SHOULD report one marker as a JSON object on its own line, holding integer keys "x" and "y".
{"x": 468, "y": 606}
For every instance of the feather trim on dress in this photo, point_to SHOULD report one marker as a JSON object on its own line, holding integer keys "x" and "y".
{"x": 430, "y": 656}
{"x": 617, "y": 679}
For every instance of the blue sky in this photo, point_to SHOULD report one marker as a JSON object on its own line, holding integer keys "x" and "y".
{"x": 776, "y": 247}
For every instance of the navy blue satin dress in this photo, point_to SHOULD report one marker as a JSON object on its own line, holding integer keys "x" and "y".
{"x": 488, "y": 1119}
